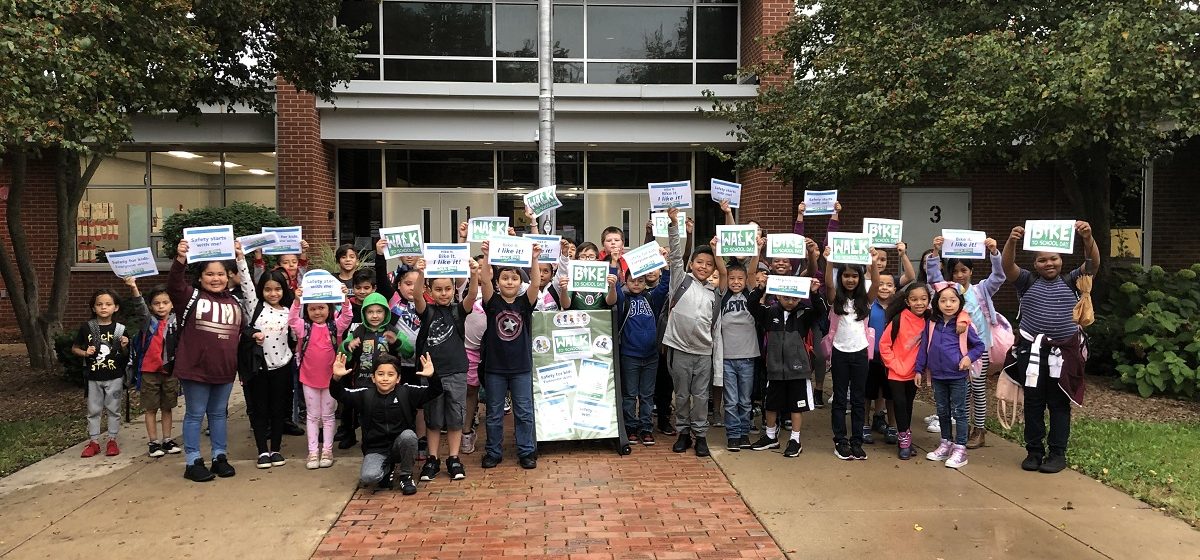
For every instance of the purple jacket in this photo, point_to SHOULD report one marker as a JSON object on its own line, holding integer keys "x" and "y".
{"x": 941, "y": 353}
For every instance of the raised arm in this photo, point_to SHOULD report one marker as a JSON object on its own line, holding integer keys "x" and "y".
{"x": 992, "y": 283}
{"x": 1009, "y": 260}
{"x": 345, "y": 317}
{"x": 244, "y": 278}
{"x": 535, "y": 280}
{"x": 830, "y": 286}
{"x": 725, "y": 209}
{"x": 674, "y": 251}
{"x": 177, "y": 284}
{"x": 383, "y": 284}
{"x": 752, "y": 266}
{"x": 1091, "y": 262}
{"x": 908, "y": 274}
{"x": 933, "y": 269}
{"x": 873, "y": 271}
{"x": 722, "y": 276}
{"x": 419, "y": 289}
{"x": 485, "y": 276}
{"x": 295, "y": 319}
{"x": 472, "y": 294}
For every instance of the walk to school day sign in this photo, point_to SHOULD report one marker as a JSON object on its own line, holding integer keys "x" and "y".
{"x": 574, "y": 398}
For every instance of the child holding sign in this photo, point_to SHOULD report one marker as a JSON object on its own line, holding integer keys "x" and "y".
{"x": 850, "y": 347}
{"x": 586, "y": 301}
{"x": 789, "y": 389}
{"x": 317, "y": 342}
{"x": 152, "y": 355}
{"x": 292, "y": 264}
{"x": 741, "y": 313}
{"x": 508, "y": 360}
{"x": 1047, "y": 300}
{"x": 640, "y": 307}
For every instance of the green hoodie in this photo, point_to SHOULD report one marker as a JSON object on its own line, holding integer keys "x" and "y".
{"x": 373, "y": 341}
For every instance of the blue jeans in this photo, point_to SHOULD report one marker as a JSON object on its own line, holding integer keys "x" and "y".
{"x": 951, "y": 398}
{"x": 200, "y": 399}
{"x": 739, "y": 382}
{"x": 638, "y": 379}
{"x": 497, "y": 386}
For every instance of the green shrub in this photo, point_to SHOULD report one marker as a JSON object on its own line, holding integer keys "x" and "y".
{"x": 1149, "y": 327}
{"x": 246, "y": 219}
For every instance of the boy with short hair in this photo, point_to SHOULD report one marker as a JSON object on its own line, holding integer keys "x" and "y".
{"x": 640, "y": 307}
{"x": 388, "y": 412}
{"x": 362, "y": 347}
{"x": 690, "y": 336}
{"x": 789, "y": 371}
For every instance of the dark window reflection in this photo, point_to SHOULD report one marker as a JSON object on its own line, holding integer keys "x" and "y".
{"x": 639, "y": 73}
{"x": 717, "y": 33}
{"x": 362, "y": 15}
{"x": 406, "y": 70}
{"x": 437, "y": 29}
{"x": 369, "y": 69}
{"x": 716, "y": 72}
{"x": 359, "y": 218}
{"x": 568, "y": 218}
{"x": 520, "y": 169}
{"x": 639, "y": 32}
{"x": 516, "y": 31}
{"x": 634, "y": 169}
{"x": 438, "y": 168}
{"x": 358, "y": 169}
{"x": 526, "y": 72}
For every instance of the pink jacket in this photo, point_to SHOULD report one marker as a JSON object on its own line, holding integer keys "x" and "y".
{"x": 316, "y": 363}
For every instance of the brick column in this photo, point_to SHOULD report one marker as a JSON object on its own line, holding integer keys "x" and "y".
{"x": 765, "y": 198}
{"x": 306, "y": 193}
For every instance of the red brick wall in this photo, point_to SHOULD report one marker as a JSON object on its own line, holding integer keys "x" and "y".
{"x": 37, "y": 212}
{"x": 1176, "y": 199}
{"x": 305, "y": 165}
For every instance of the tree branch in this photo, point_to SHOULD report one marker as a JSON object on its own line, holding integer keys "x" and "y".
{"x": 70, "y": 186}
{"x": 17, "y": 160}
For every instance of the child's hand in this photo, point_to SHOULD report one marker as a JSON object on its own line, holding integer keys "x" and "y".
{"x": 1017, "y": 233}
{"x": 816, "y": 286}
{"x": 339, "y": 366}
{"x": 917, "y": 380}
{"x": 649, "y": 226}
{"x": 663, "y": 251}
{"x": 761, "y": 242}
{"x": 725, "y": 209}
{"x": 713, "y": 243}
{"x": 673, "y": 213}
{"x": 991, "y": 245}
{"x": 381, "y": 246}
{"x": 484, "y": 247}
{"x": 512, "y": 231}
{"x": 529, "y": 214}
{"x": 902, "y": 248}
{"x": 181, "y": 250}
{"x": 463, "y": 227}
{"x": 237, "y": 250}
{"x": 474, "y": 267}
{"x": 691, "y": 226}
{"x": 537, "y": 252}
{"x": 564, "y": 246}
{"x": 303, "y": 246}
{"x": 124, "y": 342}
{"x": 826, "y": 252}
{"x": 131, "y": 282}
{"x": 426, "y": 366}
{"x": 390, "y": 337}
{"x": 345, "y": 290}
{"x": 810, "y": 245}
{"x": 837, "y": 207}
{"x": 800, "y": 209}
{"x": 964, "y": 364}
{"x": 562, "y": 283}
{"x": 937, "y": 244}
{"x": 91, "y": 350}
{"x": 421, "y": 265}
{"x": 354, "y": 344}
{"x": 259, "y": 338}
{"x": 299, "y": 293}
{"x": 612, "y": 281}
{"x": 1084, "y": 229}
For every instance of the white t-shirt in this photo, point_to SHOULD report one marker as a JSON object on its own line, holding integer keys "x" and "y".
{"x": 851, "y": 335}
{"x": 274, "y": 325}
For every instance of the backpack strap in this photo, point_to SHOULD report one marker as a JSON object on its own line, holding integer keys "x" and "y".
{"x": 304, "y": 345}
{"x": 962, "y": 338}
{"x": 258, "y": 309}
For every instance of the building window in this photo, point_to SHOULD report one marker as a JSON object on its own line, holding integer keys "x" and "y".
{"x": 133, "y": 193}
{"x": 595, "y": 41}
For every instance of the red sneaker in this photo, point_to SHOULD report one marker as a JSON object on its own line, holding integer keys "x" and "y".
{"x": 91, "y": 450}
{"x": 112, "y": 448}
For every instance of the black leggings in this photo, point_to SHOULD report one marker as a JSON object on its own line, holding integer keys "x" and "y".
{"x": 663, "y": 389}
{"x": 268, "y": 404}
{"x": 903, "y": 394}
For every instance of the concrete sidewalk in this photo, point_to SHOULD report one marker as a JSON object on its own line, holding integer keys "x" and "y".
{"x": 133, "y": 506}
{"x": 817, "y": 506}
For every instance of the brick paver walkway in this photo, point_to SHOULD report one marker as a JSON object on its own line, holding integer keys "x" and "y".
{"x": 582, "y": 502}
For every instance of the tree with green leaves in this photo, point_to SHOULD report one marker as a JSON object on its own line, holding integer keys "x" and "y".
{"x": 898, "y": 89}
{"x": 73, "y": 73}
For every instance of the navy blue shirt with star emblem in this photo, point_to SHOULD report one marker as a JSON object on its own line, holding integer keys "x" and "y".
{"x": 506, "y": 342}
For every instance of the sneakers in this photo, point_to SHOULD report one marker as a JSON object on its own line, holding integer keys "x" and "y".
{"x": 407, "y": 487}
{"x": 647, "y": 439}
{"x": 326, "y": 459}
{"x": 111, "y": 448}
{"x": 841, "y": 450}
{"x": 879, "y": 423}
{"x": 386, "y": 482}
{"x": 975, "y": 437}
{"x": 455, "y": 469}
{"x": 169, "y": 446}
{"x": 468, "y": 442}
{"x": 221, "y": 467}
{"x": 1032, "y": 462}
{"x": 490, "y": 462}
{"x": 890, "y": 436}
{"x": 793, "y": 449}
{"x": 867, "y": 438}
{"x": 422, "y": 449}
{"x": 933, "y": 425}
{"x": 528, "y": 462}
{"x": 682, "y": 444}
{"x": 764, "y": 443}
{"x": 264, "y": 461}
{"x": 430, "y": 469}
{"x": 941, "y": 453}
{"x": 905, "y": 442}
{"x": 1054, "y": 463}
{"x": 744, "y": 442}
{"x": 819, "y": 397}
{"x": 313, "y": 463}
{"x": 277, "y": 459}
{"x": 958, "y": 457}
{"x": 507, "y": 404}
{"x": 156, "y": 450}
{"x": 702, "y": 446}
{"x": 857, "y": 452}
{"x": 665, "y": 428}
{"x": 733, "y": 444}
{"x": 196, "y": 472}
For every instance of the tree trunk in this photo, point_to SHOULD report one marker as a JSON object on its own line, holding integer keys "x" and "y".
{"x": 39, "y": 343}
{"x": 1088, "y": 184}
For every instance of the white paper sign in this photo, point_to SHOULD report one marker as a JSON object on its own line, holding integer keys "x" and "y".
{"x": 884, "y": 233}
{"x": 820, "y": 203}
{"x": 571, "y": 344}
{"x": 725, "y": 190}
{"x": 794, "y": 286}
{"x": 587, "y": 276}
{"x": 1050, "y": 236}
{"x": 447, "y": 260}
{"x": 849, "y": 248}
{"x": 289, "y": 240}
{"x": 543, "y": 200}
{"x": 644, "y": 260}
{"x": 592, "y": 415}
{"x": 786, "y": 246}
{"x": 558, "y": 377}
{"x": 138, "y": 263}
{"x": 963, "y": 244}
{"x": 321, "y": 287}
{"x": 402, "y": 241}
{"x": 675, "y": 194}
{"x": 554, "y": 415}
{"x": 593, "y": 379}
{"x": 551, "y": 247}
{"x": 660, "y": 221}
{"x": 737, "y": 241}
{"x": 209, "y": 243}
{"x": 480, "y": 229}
{"x": 505, "y": 250}
{"x": 257, "y": 241}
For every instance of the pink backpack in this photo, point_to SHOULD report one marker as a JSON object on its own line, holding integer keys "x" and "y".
{"x": 1002, "y": 334}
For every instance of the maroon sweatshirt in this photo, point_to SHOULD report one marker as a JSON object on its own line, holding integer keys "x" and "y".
{"x": 208, "y": 339}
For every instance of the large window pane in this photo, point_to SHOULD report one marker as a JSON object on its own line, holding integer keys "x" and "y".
{"x": 520, "y": 72}
{"x": 359, "y": 169}
{"x": 363, "y": 16}
{"x": 437, "y": 70}
{"x": 368, "y": 72}
{"x": 716, "y": 73}
{"x": 111, "y": 220}
{"x": 516, "y": 31}
{"x": 520, "y": 170}
{"x": 639, "y": 32}
{"x": 639, "y": 73}
{"x": 121, "y": 169}
{"x": 262, "y": 197}
{"x": 184, "y": 168}
{"x": 249, "y": 169}
{"x": 360, "y": 216}
{"x": 634, "y": 169}
{"x": 717, "y": 33}
{"x": 437, "y": 29}
{"x": 439, "y": 168}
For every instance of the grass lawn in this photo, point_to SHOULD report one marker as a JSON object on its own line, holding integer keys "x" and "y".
{"x": 25, "y": 442}
{"x": 1156, "y": 462}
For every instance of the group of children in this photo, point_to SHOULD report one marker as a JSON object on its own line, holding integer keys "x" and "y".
{"x": 405, "y": 357}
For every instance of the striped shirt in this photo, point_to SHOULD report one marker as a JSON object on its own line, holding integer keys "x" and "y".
{"x": 1047, "y": 305}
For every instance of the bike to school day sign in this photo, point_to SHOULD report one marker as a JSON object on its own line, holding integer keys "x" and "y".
{"x": 737, "y": 241}
{"x": 884, "y": 233}
{"x": 587, "y": 276}
{"x": 1050, "y": 236}
{"x": 660, "y": 221}
{"x": 786, "y": 246}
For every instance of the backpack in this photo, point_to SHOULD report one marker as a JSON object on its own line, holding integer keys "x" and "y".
{"x": 118, "y": 332}
{"x": 1002, "y": 334}
{"x": 827, "y": 342}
